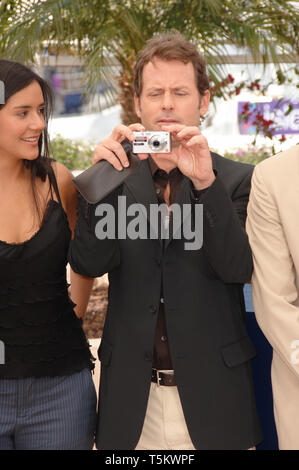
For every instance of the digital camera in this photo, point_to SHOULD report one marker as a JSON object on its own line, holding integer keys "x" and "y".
{"x": 151, "y": 142}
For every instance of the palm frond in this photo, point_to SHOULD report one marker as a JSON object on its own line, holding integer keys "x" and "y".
{"x": 108, "y": 35}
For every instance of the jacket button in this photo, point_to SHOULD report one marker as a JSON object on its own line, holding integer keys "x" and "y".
{"x": 152, "y": 308}
{"x": 148, "y": 357}
{"x": 182, "y": 356}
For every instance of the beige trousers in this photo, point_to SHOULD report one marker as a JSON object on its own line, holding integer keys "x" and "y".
{"x": 164, "y": 425}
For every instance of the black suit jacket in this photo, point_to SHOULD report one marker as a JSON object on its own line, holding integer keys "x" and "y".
{"x": 204, "y": 310}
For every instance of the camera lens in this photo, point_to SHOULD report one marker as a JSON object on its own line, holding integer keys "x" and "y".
{"x": 156, "y": 142}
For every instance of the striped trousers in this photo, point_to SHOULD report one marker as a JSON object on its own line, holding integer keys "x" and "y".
{"x": 48, "y": 413}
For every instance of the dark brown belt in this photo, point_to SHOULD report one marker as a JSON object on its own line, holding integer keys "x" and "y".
{"x": 162, "y": 378}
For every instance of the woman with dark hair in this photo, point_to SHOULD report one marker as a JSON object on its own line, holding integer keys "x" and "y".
{"x": 47, "y": 395}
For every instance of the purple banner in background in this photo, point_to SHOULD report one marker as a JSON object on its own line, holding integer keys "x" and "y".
{"x": 283, "y": 113}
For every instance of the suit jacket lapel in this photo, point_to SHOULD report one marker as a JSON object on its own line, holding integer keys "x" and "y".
{"x": 183, "y": 197}
{"x": 179, "y": 214}
{"x": 142, "y": 188}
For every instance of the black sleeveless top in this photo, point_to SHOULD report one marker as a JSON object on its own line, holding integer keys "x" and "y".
{"x": 41, "y": 334}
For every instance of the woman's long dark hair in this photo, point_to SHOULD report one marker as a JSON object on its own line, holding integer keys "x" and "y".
{"x": 15, "y": 77}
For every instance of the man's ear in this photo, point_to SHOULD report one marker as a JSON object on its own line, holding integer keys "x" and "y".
{"x": 137, "y": 105}
{"x": 204, "y": 102}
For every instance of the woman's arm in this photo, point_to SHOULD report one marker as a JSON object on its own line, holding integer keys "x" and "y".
{"x": 81, "y": 286}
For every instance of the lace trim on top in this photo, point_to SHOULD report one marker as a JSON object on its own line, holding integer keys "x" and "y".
{"x": 45, "y": 219}
{"x": 38, "y": 325}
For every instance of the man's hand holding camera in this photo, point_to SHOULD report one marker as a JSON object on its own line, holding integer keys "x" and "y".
{"x": 191, "y": 155}
{"x": 111, "y": 149}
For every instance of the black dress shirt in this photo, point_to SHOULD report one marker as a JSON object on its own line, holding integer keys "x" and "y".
{"x": 161, "y": 355}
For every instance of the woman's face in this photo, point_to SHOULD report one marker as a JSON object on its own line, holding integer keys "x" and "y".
{"x": 21, "y": 123}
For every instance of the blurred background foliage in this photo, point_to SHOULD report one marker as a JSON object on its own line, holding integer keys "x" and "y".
{"x": 74, "y": 155}
{"x": 109, "y": 34}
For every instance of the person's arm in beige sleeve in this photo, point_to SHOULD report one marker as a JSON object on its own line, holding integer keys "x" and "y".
{"x": 274, "y": 289}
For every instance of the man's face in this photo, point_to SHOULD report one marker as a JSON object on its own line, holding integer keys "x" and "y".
{"x": 170, "y": 95}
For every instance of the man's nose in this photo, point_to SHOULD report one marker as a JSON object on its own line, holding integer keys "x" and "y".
{"x": 167, "y": 102}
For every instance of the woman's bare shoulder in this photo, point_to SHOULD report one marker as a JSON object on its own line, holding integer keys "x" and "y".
{"x": 66, "y": 187}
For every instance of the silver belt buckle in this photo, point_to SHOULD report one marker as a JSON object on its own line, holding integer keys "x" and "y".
{"x": 158, "y": 378}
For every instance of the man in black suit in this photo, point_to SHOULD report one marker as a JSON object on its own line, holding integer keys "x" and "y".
{"x": 175, "y": 354}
